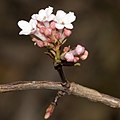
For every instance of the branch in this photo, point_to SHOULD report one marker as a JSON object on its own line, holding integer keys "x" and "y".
{"x": 74, "y": 89}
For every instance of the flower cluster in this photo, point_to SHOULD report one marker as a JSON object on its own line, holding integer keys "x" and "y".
{"x": 50, "y": 30}
{"x": 76, "y": 54}
{"x": 48, "y": 27}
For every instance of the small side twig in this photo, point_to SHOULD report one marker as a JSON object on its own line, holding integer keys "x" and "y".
{"x": 74, "y": 89}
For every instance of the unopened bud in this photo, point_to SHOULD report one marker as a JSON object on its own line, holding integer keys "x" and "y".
{"x": 38, "y": 42}
{"x": 67, "y": 32}
{"x": 48, "y": 32}
{"x": 66, "y": 49}
{"x": 42, "y": 29}
{"x": 69, "y": 57}
{"x": 85, "y": 55}
{"x": 79, "y": 49}
{"x": 58, "y": 36}
{"x": 76, "y": 59}
{"x": 49, "y": 111}
{"x": 52, "y": 25}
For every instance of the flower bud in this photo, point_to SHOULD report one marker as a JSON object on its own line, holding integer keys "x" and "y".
{"x": 66, "y": 49}
{"x": 49, "y": 111}
{"x": 76, "y": 59}
{"x": 58, "y": 36}
{"x": 42, "y": 29}
{"x": 52, "y": 25}
{"x": 85, "y": 55}
{"x": 38, "y": 42}
{"x": 69, "y": 57}
{"x": 79, "y": 50}
{"x": 67, "y": 32}
{"x": 48, "y": 32}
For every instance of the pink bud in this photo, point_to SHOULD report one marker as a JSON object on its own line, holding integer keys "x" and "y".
{"x": 39, "y": 24}
{"x": 38, "y": 42}
{"x": 46, "y": 43}
{"x": 48, "y": 32}
{"x": 49, "y": 111}
{"x": 85, "y": 55}
{"x": 76, "y": 59}
{"x": 79, "y": 49}
{"x": 52, "y": 25}
{"x": 42, "y": 29}
{"x": 69, "y": 57}
{"x": 58, "y": 36}
{"x": 66, "y": 49}
{"x": 67, "y": 32}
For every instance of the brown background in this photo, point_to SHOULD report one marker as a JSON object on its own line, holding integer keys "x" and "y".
{"x": 97, "y": 27}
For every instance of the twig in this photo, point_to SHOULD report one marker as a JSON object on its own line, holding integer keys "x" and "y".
{"x": 74, "y": 89}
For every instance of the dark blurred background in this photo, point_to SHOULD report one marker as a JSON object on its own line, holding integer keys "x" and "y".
{"x": 97, "y": 28}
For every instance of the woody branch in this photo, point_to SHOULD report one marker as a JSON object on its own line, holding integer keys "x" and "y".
{"x": 75, "y": 89}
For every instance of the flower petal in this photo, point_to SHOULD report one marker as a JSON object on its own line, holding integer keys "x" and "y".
{"x": 24, "y": 32}
{"x": 59, "y": 26}
{"x": 33, "y": 23}
{"x": 41, "y": 15}
{"x": 70, "y": 17}
{"x": 51, "y": 17}
{"x": 40, "y": 36}
{"x": 69, "y": 26}
{"x": 24, "y": 25}
{"x": 60, "y": 14}
{"x": 34, "y": 16}
{"x": 49, "y": 10}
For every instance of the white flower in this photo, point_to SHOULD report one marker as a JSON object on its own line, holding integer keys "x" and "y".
{"x": 27, "y": 27}
{"x": 35, "y": 16}
{"x": 44, "y": 15}
{"x": 64, "y": 20}
{"x": 30, "y": 28}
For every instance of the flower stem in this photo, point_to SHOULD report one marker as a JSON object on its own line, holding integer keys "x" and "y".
{"x": 58, "y": 67}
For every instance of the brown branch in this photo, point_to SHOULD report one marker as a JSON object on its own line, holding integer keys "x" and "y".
{"x": 74, "y": 89}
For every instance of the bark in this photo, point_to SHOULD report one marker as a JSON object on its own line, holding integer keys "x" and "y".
{"x": 75, "y": 89}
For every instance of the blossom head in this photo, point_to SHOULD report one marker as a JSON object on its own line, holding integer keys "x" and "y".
{"x": 45, "y": 25}
{"x": 50, "y": 31}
